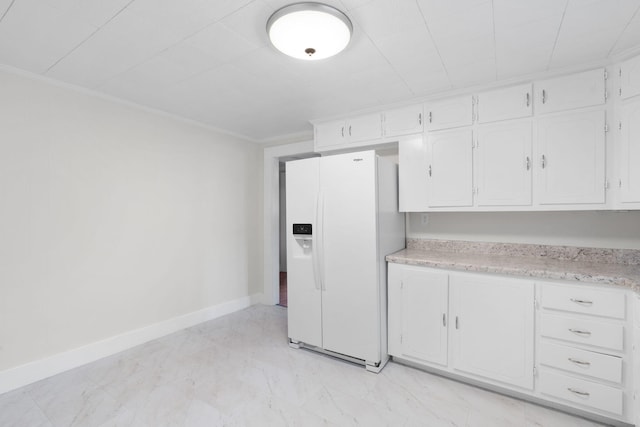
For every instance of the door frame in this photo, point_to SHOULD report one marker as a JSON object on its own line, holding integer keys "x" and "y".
{"x": 271, "y": 220}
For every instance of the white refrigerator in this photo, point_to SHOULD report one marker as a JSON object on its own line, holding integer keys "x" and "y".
{"x": 342, "y": 220}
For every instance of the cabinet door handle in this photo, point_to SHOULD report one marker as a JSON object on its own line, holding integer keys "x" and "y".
{"x": 528, "y": 99}
{"x": 544, "y": 96}
{"x": 430, "y": 117}
{"x": 429, "y": 170}
{"x": 579, "y": 362}
{"x": 544, "y": 162}
{"x": 457, "y": 323}
{"x": 528, "y": 163}
{"x": 342, "y": 131}
{"x": 420, "y": 118}
{"x": 349, "y": 130}
{"x": 444, "y": 319}
{"x": 578, "y": 392}
{"x": 579, "y": 332}
{"x": 581, "y": 301}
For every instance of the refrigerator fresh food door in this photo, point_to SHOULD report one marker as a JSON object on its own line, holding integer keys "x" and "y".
{"x": 347, "y": 240}
{"x": 303, "y": 293}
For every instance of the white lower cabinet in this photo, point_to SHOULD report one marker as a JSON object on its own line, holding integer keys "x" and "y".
{"x": 486, "y": 322}
{"x": 493, "y": 332}
{"x": 420, "y": 324}
{"x": 572, "y": 345}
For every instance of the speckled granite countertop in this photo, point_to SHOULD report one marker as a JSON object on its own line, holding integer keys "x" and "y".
{"x": 613, "y": 267}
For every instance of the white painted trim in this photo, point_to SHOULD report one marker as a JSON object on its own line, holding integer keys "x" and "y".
{"x": 31, "y": 372}
{"x": 272, "y": 214}
{"x": 131, "y": 104}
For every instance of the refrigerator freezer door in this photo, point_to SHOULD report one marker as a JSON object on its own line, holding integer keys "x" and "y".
{"x": 347, "y": 239}
{"x": 303, "y": 293}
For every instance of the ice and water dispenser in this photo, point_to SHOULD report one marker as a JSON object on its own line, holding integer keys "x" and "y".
{"x": 304, "y": 235}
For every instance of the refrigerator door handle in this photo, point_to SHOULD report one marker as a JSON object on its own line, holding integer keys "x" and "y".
{"x": 320, "y": 240}
{"x": 315, "y": 251}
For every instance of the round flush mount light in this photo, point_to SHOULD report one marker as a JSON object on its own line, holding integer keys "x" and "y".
{"x": 309, "y": 31}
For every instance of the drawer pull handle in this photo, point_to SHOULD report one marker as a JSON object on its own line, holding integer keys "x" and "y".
{"x": 579, "y": 362}
{"x": 581, "y": 301}
{"x": 579, "y": 332}
{"x": 578, "y": 392}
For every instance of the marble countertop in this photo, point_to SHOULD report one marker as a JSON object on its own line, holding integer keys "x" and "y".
{"x": 581, "y": 270}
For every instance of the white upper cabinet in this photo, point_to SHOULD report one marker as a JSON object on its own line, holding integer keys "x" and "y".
{"x": 569, "y": 92}
{"x": 449, "y": 113}
{"x": 363, "y": 128}
{"x": 630, "y": 78}
{"x": 403, "y": 121}
{"x": 570, "y": 158}
{"x": 503, "y": 104}
{"x": 504, "y": 164}
{"x": 450, "y": 168}
{"x": 629, "y": 163}
{"x": 338, "y": 134}
{"x": 493, "y": 321}
{"x": 413, "y": 174}
{"x": 329, "y": 134}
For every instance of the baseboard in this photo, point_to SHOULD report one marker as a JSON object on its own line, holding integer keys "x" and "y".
{"x": 31, "y": 372}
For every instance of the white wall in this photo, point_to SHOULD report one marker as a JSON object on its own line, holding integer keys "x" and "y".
{"x": 113, "y": 218}
{"x": 591, "y": 229}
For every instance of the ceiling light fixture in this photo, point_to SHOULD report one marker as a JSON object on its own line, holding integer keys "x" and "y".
{"x": 309, "y": 31}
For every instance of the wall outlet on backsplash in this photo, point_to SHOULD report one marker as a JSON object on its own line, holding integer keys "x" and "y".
{"x": 424, "y": 219}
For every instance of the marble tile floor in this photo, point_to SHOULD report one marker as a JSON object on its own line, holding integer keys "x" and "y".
{"x": 239, "y": 371}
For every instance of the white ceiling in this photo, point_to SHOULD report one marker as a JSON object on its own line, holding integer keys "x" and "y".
{"x": 210, "y": 60}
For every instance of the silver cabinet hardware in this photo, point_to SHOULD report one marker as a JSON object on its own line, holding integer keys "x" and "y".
{"x": 528, "y": 163}
{"x": 579, "y": 362}
{"x": 528, "y": 99}
{"x": 457, "y": 323}
{"x": 579, "y": 332}
{"x": 444, "y": 319}
{"x": 430, "y": 117}
{"x": 342, "y": 131}
{"x": 349, "y": 130}
{"x": 578, "y": 392}
{"x": 420, "y": 118}
{"x": 429, "y": 170}
{"x": 581, "y": 301}
{"x": 544, "y": 162}
{"x": 544, "y": 96}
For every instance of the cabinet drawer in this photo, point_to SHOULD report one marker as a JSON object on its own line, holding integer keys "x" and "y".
{"x": 583, "y": 362}
{"x": 581, "y": 392}
{"x": 588, "y": 332}
{"x": 586, "y": 301}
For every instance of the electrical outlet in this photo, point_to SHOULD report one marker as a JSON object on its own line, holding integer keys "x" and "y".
{"x": 424, "y": 219}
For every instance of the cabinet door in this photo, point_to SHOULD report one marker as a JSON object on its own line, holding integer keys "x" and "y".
{"x": 330, "y": 134}
{"x": 449, "y": 113}
{"x": 629, "y": 160}
{"x": 492, "y": 322}
{"x": 575, "y": 91}
{"x": 364, "y": 128}
{"x": 450, "y": 166}
{"x": 630, "y": 78}
{"x": 413, "y": 174}
{"x": 502, "y": 104}
{"x": 403, "y": 121}
{"x": 422, "y": 296}
{"x": 503, "y": 158}
{"x": 571, "y": 158}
